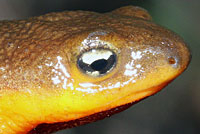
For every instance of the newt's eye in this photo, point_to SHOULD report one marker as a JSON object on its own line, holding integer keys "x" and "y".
{"x": 97, "y": 62}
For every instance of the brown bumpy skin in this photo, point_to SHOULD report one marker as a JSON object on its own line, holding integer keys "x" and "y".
{"x": 43, "y": 90}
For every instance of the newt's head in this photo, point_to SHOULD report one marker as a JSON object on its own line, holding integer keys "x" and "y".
{"x": 80, "y": 66}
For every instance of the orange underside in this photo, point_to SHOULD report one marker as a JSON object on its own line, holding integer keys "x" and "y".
{"x": 20, "y": 112}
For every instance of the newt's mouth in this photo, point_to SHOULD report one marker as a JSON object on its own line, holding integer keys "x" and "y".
{"x": 48, "y": 128}
{"x": 126, "y": 102}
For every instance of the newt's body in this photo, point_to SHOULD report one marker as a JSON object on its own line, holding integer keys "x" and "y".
{"x": 70, "y": 66}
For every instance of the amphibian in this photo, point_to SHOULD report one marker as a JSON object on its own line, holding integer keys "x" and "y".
{"x": 62, "y": 70}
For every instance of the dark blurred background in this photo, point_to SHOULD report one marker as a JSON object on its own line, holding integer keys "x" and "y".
{"x": 176, "y": 109}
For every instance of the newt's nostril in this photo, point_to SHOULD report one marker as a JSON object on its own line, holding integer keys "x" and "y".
{"x": 171, "y": 60}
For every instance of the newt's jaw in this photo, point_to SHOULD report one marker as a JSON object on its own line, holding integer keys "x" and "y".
{"x": 32, "y": 108}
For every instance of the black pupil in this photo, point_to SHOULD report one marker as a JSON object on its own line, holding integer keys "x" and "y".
{"x": 99, "y": 65}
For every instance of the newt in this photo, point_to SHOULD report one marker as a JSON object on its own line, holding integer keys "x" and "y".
{"x": 61, "y": 70}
